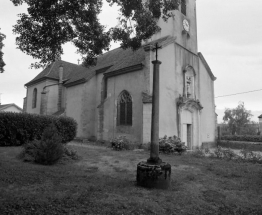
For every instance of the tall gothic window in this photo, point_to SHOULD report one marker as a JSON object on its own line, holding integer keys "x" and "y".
{"x": 183, "y": 7}
{"x": 124, "y": 109}
{"x": 34, "y": 98}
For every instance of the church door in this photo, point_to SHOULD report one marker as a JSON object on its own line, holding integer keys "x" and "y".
{"x": 187, "y": 128}
{"x": 187, "y": 135}
{"x": 184, "y": 136}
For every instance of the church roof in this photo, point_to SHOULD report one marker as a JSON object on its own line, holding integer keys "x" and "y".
{"x": 112, "y": 61}
{"x": 51, "y": 71}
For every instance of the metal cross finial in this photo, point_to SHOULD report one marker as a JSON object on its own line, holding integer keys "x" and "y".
{"x": 156, "y": 48}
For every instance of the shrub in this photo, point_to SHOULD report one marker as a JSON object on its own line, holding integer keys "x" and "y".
{"x": 198, "y": 153}
{"x": 246, "y": 138}
{"x": 20, "y": 128}
{"x": 173, "y": 144}
{"x": 70, "y": 153}
{"x": 120, "y": 143}
{"x": 46, "y": 151}
{"x": 250, "y": 156}
{"x": 228, "y": 154}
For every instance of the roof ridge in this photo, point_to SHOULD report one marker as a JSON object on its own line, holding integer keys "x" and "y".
{"x": 71, "y": 63}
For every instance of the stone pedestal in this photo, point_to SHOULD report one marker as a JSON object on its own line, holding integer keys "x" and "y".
{"x": 151, "y": 175}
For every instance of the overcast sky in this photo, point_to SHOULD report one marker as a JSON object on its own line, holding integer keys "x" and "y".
{"x": 229, "y": 37}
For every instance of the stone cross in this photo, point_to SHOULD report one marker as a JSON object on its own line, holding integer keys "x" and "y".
{"x": 154, "y": 149}
{"x": 154, "y": 173}
{"x": 156, "y": 49}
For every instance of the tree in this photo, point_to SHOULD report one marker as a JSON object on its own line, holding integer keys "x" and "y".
{"x": 50, "y": 24}
{"x": 2, "y": 63}
{"x": 237, "y": 118}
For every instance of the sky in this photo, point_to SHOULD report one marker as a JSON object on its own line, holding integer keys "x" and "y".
{"x": 229, "y": 37}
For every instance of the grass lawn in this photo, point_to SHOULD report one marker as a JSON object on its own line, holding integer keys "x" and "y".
{"x": 103, "y": 182}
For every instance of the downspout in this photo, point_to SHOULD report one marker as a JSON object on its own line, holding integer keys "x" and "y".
{"x": 60, "y": 87}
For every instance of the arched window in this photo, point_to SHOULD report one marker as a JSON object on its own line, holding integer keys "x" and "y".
{"x": 183, "y": 7}
{"x": 124, "y": 109}
{"x": 34, "y": 98}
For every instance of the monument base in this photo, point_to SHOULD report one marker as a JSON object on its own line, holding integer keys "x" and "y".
{"x": 151, "y": 175}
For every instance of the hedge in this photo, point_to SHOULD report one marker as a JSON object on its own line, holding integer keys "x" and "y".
{"x": 240, "y": 145}
{"x": 246, "y": 138}
{"x": 19, "y": 128}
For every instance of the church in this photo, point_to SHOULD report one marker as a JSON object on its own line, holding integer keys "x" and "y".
{"x": 114, "y": 97}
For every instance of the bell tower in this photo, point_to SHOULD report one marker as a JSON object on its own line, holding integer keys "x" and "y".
{"x": 182, "y": 26}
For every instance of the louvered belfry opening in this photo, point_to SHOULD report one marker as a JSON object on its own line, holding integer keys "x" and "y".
{"x": 125, "y": 109}
{"x": 183, "y": 7}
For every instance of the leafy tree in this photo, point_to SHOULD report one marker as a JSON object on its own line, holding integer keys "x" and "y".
{"x": 237, "y": 118}
{"x": 2, "y": 63}
{"x": 50, "y": 24}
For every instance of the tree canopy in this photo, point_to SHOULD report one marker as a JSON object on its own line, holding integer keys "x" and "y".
{"x": 51, "y": 23}
{"x": 2, "y": 63}
{"x": 237, "y": 118}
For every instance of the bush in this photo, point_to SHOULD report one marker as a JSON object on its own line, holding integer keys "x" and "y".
{"x": 171, "y": 145}
{"x": 246, "y": 138}
{"x": 69, "y": 153}
{"x": 120, "y": 143}
{"x": 46, "y": 151}
{"x": 228, "y": 154}
{"x": 20, "y": 128}
{"x": 198, "y": 153}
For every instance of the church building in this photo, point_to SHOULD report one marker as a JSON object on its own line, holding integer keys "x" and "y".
{"x": 114, "y": 97}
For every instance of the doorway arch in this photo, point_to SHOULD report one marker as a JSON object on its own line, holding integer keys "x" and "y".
{"x": 189, "y": 122}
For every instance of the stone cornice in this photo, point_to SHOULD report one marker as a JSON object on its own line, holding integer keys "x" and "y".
{"x": 189, "y": 103}
{"x": 146, "y": 98}
{"x": 102, "y": 70}
{"x": 186, "y": 49}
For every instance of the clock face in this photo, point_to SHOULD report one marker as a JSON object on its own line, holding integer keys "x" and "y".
{"x": 186, "y": 25}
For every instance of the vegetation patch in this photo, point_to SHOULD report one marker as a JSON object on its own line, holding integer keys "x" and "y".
{"x": 244, "y": 138}
{"x": 170, "y": 145}
{"x": 20, "y": 128}
{"x": 228, "y": 154}
{"x": 122, "y": 143}
{"x": 251, "y": 146}
{"x": 48, "y": 150}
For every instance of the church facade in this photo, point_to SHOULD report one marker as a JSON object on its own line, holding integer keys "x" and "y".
{"x": 115, "y": 97}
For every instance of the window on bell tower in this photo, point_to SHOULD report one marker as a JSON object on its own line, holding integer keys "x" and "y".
{"x": 183, "y": 7}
